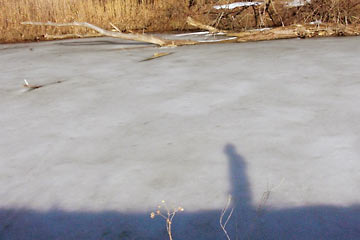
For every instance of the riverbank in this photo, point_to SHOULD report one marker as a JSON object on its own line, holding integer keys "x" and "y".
{"x": 165, "y": 15}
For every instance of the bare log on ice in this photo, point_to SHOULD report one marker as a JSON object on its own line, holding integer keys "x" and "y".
{"x": 127, "y": 36}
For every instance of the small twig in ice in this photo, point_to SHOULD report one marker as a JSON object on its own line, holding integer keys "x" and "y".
{"x": 32, "y": 87}
{"x": 157, "y": 55}
{"x": 27, "y": 85}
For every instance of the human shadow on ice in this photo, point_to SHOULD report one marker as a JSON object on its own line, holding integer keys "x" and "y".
{"x": 298, "y": 223}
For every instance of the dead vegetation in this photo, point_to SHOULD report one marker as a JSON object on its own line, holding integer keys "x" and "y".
{"x": 167, "y": 214}
{"x": 127, "y": 15}
{"x": 329, "y": 18}
{"x": 277, "y": 13}
{"x": 292, "y": 31}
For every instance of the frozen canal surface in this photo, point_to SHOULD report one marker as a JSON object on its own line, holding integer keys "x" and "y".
{"x": 90, "y": 157}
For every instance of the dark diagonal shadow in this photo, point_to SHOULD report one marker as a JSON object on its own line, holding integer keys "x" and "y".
{"x": 99, "y": 42}
{"x": 299, "y": 223}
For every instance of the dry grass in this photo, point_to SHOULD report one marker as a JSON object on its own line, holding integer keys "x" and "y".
{"x": 327, "y": 11}
{"x": 127, "y": 15}
{"x": 161, "y": 15}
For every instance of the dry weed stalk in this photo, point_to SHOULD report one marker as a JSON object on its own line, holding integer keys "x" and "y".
{"x": 265, "y": 197}
{"x": 168, "y": 216}
{"x": 223, "y": 212}
{"x": 260, "y": 210}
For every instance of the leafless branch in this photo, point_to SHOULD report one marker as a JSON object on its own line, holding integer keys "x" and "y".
{"x": 197, "y": 24}
{"x": 115, "y": 27}
{"x": 127, "y": 36}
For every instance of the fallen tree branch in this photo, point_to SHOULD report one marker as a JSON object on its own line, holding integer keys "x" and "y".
{"x": 70, "y": 35}
{"x": 295, "y": 31}
{"x": 127, "y": 36}
{"x": 199, "y": 25}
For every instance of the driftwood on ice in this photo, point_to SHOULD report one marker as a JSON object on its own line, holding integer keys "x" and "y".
{"x": 127, "y": 36}
{"x": 293, "y": 31}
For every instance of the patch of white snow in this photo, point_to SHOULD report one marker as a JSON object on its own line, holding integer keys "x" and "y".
{"x": 316, "y": 22}
{"x": 237, "y": 4}
{"x": 194, "y": 33}
{"x": 298, "y": 3}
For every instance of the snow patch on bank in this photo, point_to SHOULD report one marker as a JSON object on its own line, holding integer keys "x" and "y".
{"x": 236, "y": 5}
{"x": 298, "y": 3}
{"x": 194, "y": 33}
{"x": 294, "y": 3}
